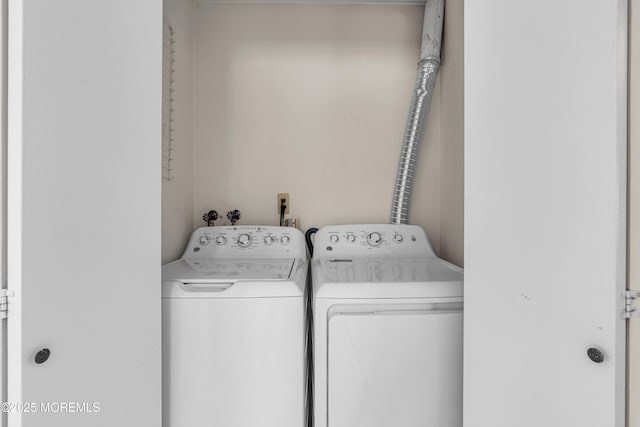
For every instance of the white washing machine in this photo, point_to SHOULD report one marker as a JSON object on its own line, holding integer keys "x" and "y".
{"x": 387, "y": 319}
{"x": 233, "y": 311}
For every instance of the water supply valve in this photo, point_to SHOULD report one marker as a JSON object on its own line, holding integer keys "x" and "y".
{"x": 210, "y": 217}
{"x": 233, "y": 216}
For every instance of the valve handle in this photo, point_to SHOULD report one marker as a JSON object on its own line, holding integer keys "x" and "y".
{"x": 233, "y": 216}
{"x": 210, "y": 217}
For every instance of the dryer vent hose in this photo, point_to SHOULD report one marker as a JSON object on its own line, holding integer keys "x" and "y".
{"x": 420, "y": 104}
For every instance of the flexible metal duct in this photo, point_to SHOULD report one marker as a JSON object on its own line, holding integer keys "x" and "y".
{"x": 420, "y": 104}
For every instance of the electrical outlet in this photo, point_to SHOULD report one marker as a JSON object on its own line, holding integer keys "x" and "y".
{"x": 284, "y": 196}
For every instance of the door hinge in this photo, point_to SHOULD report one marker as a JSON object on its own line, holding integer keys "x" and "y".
{"x": 629, "y": 298}
{"x": 4, "y": 302}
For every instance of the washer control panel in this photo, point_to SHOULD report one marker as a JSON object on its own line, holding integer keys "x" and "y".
{"x": 371, "y": 240}
{"x": 246, "y": 241}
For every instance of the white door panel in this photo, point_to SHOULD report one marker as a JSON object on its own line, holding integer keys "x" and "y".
{"x": 84, "y": 201}
{"x": 545, "y": 173}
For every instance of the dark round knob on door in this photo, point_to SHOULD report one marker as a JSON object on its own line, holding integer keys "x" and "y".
{"x": 42, "y": 356}
{"x": 595, "y": 355}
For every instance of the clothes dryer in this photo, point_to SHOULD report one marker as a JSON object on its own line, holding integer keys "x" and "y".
{"x": 233, "y": 312}
{"x": 387, "y": 319}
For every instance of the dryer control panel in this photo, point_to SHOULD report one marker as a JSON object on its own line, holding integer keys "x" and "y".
{"x": 246, "y": 241}
{"x": 372, "y": 240}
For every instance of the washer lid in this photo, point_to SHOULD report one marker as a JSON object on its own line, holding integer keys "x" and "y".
{"x": 228, "y": 269}
{"x": 233, "y": 278}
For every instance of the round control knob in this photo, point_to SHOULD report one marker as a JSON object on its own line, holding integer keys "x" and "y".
{"x": 334, "y": 238}
{"x": 374, "y": 239}
{"x": 244, "y": 240}
{"x": 285, "y": 240}
{"x": 351, "y": 238}
{"x": 221, "y": 240}
{"x": 204, "y": 240}
{"x": 398, "y": 238}
{"x": 268, "y": 240}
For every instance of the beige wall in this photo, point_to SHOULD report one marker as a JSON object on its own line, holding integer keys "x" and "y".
{"x": 177, "y": 194}
{"x": 634, "y": 206}
{"x": 312, "y": 100}
{"x": 452, "y": 135}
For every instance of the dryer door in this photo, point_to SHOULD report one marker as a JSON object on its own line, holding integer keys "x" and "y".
{"x": 395, "y": 366}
